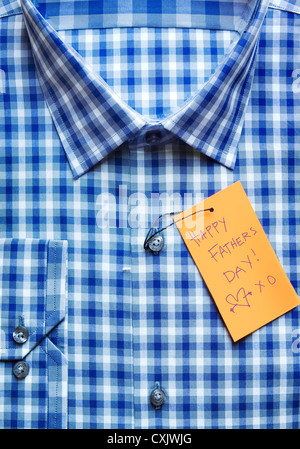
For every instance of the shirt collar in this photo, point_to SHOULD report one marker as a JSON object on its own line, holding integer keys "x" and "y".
{"x": 92, "y": 121}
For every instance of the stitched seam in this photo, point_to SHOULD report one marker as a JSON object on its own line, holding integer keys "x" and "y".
{"x": 11, "y": 14}
{"x": 55, "y": 268}
{"x": 281, "y": 8}
{"x": 56, "y": 384}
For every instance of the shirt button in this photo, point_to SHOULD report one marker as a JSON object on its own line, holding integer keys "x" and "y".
{"x": 156, "y": 243}
{"x": 20, "y": 370}
{"x": 153, "y": 137}
{"x": 20, "y": 335}
{"x": 157, "y": 398}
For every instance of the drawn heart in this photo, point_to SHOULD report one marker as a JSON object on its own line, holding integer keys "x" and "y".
{"x": 240, "y": 299}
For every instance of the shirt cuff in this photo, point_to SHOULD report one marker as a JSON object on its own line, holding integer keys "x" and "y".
{"x": 33, "y": 308}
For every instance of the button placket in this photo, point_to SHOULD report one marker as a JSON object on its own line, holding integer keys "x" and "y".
{"x": 143, "y": 154}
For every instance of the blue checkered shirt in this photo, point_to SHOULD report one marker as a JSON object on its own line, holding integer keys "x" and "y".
{"x": 113, "y": 113}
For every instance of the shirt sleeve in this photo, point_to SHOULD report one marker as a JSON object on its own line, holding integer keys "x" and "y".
{"x": 33, "y": 338}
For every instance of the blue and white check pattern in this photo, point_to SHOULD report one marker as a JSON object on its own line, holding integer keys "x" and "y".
{"x": 84, "y": 81}
{"x": 33, "y": 295}
{"x": 92, "y": 121}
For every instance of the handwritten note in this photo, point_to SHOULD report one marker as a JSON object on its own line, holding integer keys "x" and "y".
{"x": 236, "y": 261}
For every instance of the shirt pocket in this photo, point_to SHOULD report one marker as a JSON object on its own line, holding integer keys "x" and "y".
{"x": 33, "y": 333}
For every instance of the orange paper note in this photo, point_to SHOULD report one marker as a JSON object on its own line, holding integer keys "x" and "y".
{"x": 236, "y": 261}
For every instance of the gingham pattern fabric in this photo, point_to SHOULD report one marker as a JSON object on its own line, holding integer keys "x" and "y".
{"x": 90, "y": 90}
{"x": 107, "y": 14}
{"x": 33, "y": 295}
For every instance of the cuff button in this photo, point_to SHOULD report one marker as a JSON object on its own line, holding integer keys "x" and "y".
{"x": 20, "y": 370}
{"x": 20, "y": 335}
